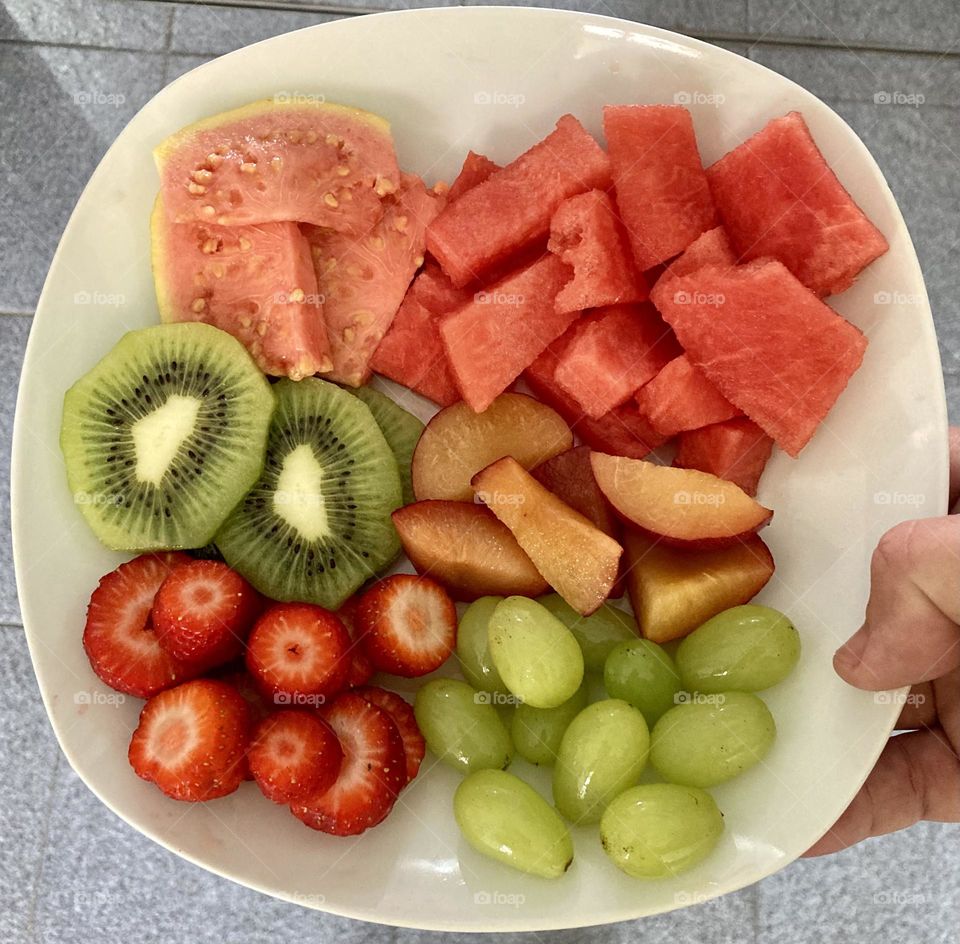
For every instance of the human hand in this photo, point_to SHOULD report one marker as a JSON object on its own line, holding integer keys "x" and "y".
{"x": 911, "y": 636}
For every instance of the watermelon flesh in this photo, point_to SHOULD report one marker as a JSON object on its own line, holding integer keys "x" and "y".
{"x": 254, "y": 282}
{"x": 779, "y": 198}
{"x": 436, "y": 291}
{"x": 621, "y": 432}
{"x": 502, "y": 330}
{"x": 736, "y": 450}
{"x": 610, "y": 353}
{"x": 711, "y": 248}
{"x": 680, "y": 397}
{"x": 586, "y": 234}
{"x": 661, "y": 188}
{"x": 275, "y": 161}
{"x": 363, "y": 280}
{"x": 768, "y": 344}
{"x": 512, "y": 208}
{"x": 475, "y": 170}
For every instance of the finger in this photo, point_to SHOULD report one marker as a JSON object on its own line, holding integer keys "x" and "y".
{"x": 917, "y": 777}
{"x": 954, "y": 467}
{"x": 919, "y": 709}
{"x": 910, "y": 633}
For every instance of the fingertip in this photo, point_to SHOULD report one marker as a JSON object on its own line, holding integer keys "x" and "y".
{"x": 848, "y": 659}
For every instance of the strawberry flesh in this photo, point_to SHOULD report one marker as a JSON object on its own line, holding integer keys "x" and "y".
{"x": 371, "y": 775}
{"x": 361, "y": 668}
{"x": 119, "y": 637}
{"x": 192, "y": 740}
{"x": 401, "y": 712}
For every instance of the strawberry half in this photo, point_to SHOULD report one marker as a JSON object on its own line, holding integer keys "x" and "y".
{"x": 409, "y": 625}
{"x": 203, "y": 612}
{"x": 361, "y": 668}
{"x": 119, "y": 637}
{"x": 299, "y": 654}
{"x": 191, "y": 740}
{"x": 371, "y": 774}
{"x": 294, "y": 755}
{"x": 401, "y": 712}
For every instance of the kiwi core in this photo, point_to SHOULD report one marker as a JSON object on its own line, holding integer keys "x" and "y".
{"x": 298, "y": 498}
{"x": 158, "y": 436}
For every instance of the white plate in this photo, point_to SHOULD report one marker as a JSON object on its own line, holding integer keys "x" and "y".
{"x": 494, "y": 80}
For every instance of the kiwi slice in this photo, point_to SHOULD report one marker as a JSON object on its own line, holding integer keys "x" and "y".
{"x": 165, "y": 435}
{"x": 401, "y": 429}
{"x": 317, "y": 523}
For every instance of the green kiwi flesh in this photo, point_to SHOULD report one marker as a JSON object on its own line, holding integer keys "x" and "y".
{"x": 164, "y": 436}
{"x": 317, "y": 524}
{"x": 401, "y": 429}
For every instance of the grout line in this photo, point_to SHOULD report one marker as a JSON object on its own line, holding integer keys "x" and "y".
{"x": 16, "y": 313}
{"x": 85, "y": 47}
{"x": 43, "y": 847}
{"x": 11, "y": 627}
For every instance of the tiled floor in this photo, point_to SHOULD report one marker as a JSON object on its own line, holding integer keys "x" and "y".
{"x": 71, "y": 74}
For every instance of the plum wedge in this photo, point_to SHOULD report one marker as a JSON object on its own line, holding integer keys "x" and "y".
{"x": 577, "y": 559}
{"x": 683, "y": 507}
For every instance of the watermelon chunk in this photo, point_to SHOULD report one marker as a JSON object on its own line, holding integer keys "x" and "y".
{"x": 680, "y": 397}
{"x": 711, "y": 248}
{"x": 502, "y": 330}
{"x": 586, "y": 234}
{"x": 621, "y": 432}
{"x": 611, "y": 352}
{"x": 770, "y": 346}
{"x": 436, "y": 292}
{"x": 513, "y": 207}
{"x": 475, "y": 170}
{"x": 736, "y": 450}
{"x": 778, "y": 197}
{"x": 254, "y": 282}
{"x": 274, "y": 161}
{"x": 661, "y": 188}
{"x": 363, "y": 280}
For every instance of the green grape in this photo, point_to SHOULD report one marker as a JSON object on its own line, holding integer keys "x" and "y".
{"x": 660, "y": 829}
{"x": 537, "y": 732}
{"x": 743, "y": 649}
{"x": 461, "y": 727}
{"x": 536, "y": 655}
{"x": 504, "y": 818}
{"x": 641, "y": 673}
{"x": 602, "y": 752}
{"x": 711, "y": 738}
{"x": 598, "y": 633}
{"x": 473, "y": 650}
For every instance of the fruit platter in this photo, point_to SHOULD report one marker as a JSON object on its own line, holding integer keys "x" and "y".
{"x": 449, "y": 516}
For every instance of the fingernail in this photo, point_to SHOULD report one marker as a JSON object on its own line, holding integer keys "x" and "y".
{"x": 850, "y": 655}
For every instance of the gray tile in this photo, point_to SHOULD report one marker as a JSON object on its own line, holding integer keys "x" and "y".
{"x": 113, "y": 23}
{"x": 902, "y": 887}
{"x": 176, "y": 65}
{"x": 214, "y": 30}
{"x": 28, "y": 758}
{"x": 62, "y": 109}
{"x": 922, "y": 24}
{"x": 13, "y": 339}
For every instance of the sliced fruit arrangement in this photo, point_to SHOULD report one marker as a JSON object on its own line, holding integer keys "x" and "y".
{"x": 292, "y": 228}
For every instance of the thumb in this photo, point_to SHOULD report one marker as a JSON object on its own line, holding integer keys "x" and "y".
{"x": 911, "y": 631}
